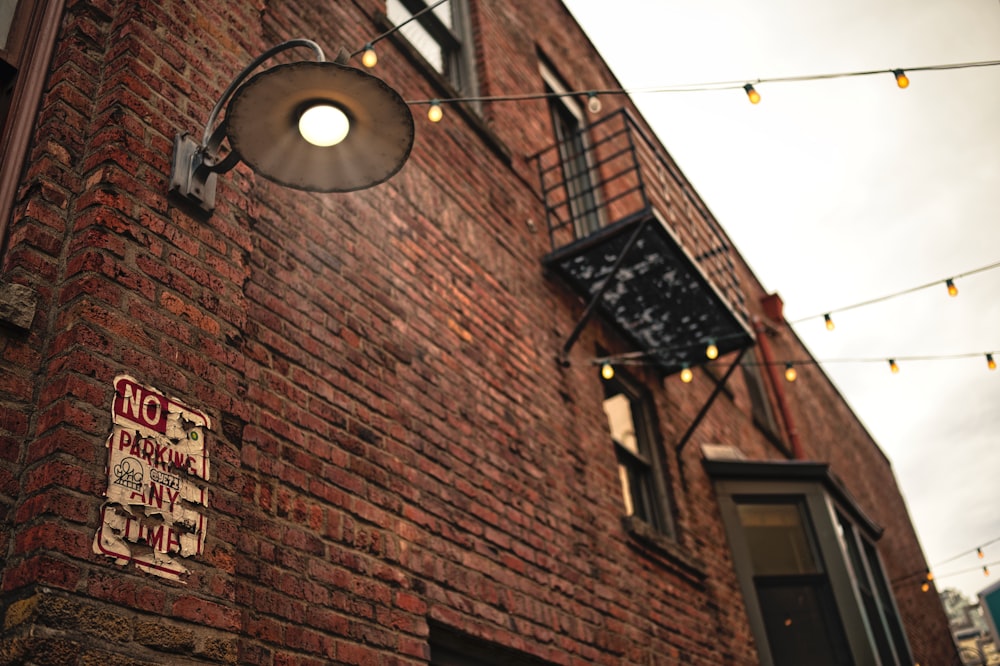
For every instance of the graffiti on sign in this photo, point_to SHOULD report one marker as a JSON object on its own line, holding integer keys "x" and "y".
{"x": 157, "y": 477}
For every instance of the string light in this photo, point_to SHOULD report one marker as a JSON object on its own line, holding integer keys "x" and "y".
{"x": 904, "y": 292}
{"x": 686, "y": 375}
{"x": 925, "y": 586}
{"x": 829, "y": 322}
{"x": 593, "y": 102}
{"x": 702, "y": 87}
{"x": 901, "y": 79}
{"x": 790, "y": 373}
{"x": 893, "y": 366}
{"x": 608, "y": 371}
{"x": 368, "y": 57}
{"x": 652, "y": 356}
{"x": 979, "y": 553}
{"x": 434, "y": 113}
{"x": 990, "y": 363}
{"x": 986, "y": 571}
{"x": 712, "y": 351}
{"x": 952, "y": 289}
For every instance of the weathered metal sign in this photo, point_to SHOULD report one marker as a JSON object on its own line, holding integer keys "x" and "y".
{"x": 157, "y": 476}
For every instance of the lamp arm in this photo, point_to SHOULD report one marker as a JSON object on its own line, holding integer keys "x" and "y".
{"x": 210, "y": 141}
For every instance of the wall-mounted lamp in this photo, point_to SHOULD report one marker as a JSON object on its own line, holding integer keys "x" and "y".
{"x": 318, "y": 126}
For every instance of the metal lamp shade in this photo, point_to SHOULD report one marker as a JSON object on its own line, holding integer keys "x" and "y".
{"x": 262, "y": 125}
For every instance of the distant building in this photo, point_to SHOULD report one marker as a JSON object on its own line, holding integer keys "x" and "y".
{"x": 374, "y": 427}
{"x": 970, "y": 629}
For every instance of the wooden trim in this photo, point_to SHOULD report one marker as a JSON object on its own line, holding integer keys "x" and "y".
{"x": 38, "y": 39}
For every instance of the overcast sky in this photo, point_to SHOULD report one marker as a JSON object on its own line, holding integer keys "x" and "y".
{"x": 845, "y": 190}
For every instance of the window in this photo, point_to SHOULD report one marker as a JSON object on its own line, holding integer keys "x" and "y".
{"x": 574, "y": 155}
{"x": 449, "y": 648}
{"x": 796, "y": 604}
{"x": 880, "y": 607}
{"x": 760, "y": 404}
{"x": 442, "y": 36}
{"x": 629, "y": 415}
{"x": 806, "y": 560}
{"x": 27, "y": 34}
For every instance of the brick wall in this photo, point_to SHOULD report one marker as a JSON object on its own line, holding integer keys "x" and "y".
{"x": 394, "y": 447}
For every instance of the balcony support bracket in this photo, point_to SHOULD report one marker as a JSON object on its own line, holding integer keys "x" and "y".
{"x": 686, "y": 437}
{"x": 563, "y": 357}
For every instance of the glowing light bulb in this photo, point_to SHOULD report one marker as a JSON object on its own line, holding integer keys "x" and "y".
{"x": 790, "y": 373}
{"x": 324, "y": 125}
{"x": 979, "y": 553}
{"x": 986, "y": 571}
{"x": 368, "y": 57}
{"x": 593, "y": 102}
{"x": 952, "y": 289}
{"x": 901, "y": 79}
{"x": 607, "y": 371}
{"x": 687, "y": 375}
{"x": 925, "y": 586}
{"x": 930, "y": 576}
{"x": 893, "y": 366}
{"x": 712, "y": 351}
{"x": 990, "y": 363}
{"x": 752, "y": 94}
{"x": 434, "y": 114}
{"x": 829, "y": 322}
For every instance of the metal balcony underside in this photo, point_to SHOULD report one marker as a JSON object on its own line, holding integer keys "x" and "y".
{"x": 658, "y": 297}
{"x": 610, "y": 189}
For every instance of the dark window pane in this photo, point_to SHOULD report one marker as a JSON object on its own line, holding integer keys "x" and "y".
{"x": 892, "y": 620}
{"x": 801, "y": 621}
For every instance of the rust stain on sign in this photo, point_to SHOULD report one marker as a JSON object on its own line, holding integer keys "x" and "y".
{"x": 157, "y": 476}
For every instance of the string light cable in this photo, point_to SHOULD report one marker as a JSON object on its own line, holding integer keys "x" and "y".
{"x": 948, "y": 282}
{"x": 644, "y": 357}
{"x": 926, "y": 575}
{"x": 747, "y": 86}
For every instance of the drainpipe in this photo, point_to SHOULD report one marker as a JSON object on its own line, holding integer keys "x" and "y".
{"x": 772, "y": 306}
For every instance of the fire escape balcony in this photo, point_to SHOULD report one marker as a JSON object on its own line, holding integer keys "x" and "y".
{"x": 631, "y": 238}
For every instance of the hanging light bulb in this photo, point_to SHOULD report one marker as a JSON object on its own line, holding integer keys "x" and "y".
{"x": 712, "y": 351}
{"x": 829, "y": 322}
{"x": 686, "y": 375}
{"x": 893, "y": 366}
{"x": 990, "y": 363}
{"x": 979, "y": 553}
{"x": 952, "y": 289}
{"x": 901, "y": 79}
{"x": 790, "y": 373}
{"x": 930, "y": 576}
{"x": 324, "y": 125}
{"x": 752, "y": 94}
{"x": 434, "y": 113}
{"x": 368, "y": 57}
{"x": 593, "y": 102}
{"x": 986, "y": 571}
{"x": 925, "y": 586}
{"x": 607, "y": 371}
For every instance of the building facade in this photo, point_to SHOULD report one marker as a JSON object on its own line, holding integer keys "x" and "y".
{"x": 442, "y": 419}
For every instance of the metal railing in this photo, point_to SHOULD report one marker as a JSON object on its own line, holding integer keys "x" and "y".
{"x": 612, "y": 170}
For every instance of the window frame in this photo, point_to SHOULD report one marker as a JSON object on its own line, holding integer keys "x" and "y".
{"x": 824, "y": 500}
{"x": 569, "y": 128}
{"x": 456, "y": 43}
{"x": 645, "y": 467}
{"x": 30, "y": 43}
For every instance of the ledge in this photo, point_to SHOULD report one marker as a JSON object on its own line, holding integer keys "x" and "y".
{"x": 663, "y": 549}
